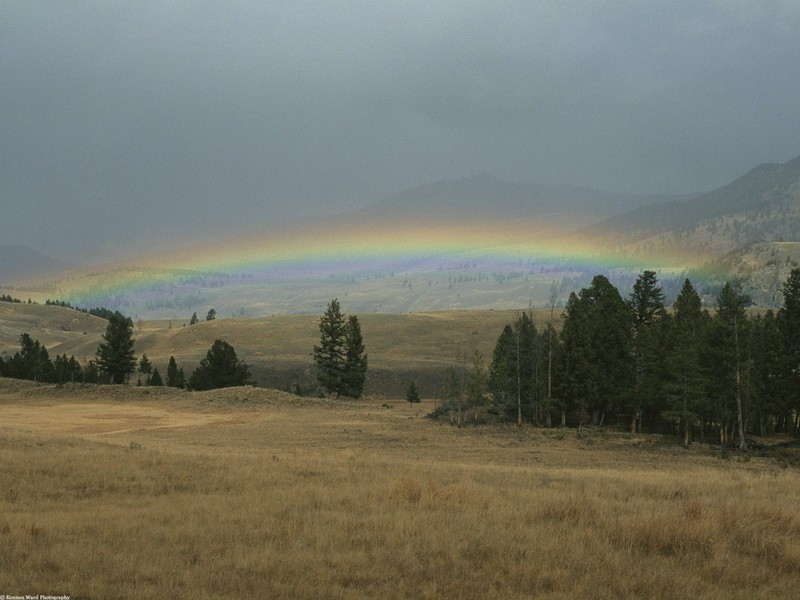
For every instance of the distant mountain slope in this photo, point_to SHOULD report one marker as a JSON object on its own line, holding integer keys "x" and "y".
{"x": 484, "y": 195}
{"x": 762, "y": 205}
{"x": 19, "y": 261}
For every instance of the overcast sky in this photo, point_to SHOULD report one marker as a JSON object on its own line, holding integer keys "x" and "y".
{"x": 120, "y": 121}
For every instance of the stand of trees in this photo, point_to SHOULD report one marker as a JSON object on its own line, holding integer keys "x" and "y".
{"x": 97, "y": 311}
{"x": 33, "y": 362}
{"x": 633, "y": 364}
{"x": 340, "y": 359}
{"x": 219, "y": 369}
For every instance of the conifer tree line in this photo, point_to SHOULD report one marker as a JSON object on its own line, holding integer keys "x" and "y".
{"x": 113, "y": 363}
{"x": 97, "y": 311}
{"x": 715, "y": 375}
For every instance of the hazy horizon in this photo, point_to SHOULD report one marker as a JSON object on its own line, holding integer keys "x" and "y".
{"x": 132, "y": 126}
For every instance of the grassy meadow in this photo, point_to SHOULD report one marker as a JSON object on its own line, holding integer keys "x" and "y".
{"x": 140, "y": 493}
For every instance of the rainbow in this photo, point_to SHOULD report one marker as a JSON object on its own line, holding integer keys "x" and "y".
{"x": 324, "y": 247}
{"x": 340, "y": 246}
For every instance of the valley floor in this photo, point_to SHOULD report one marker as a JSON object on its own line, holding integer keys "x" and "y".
{"x": 141, "y": 493}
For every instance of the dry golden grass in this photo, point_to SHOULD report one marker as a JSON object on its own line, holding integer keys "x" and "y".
{"x": 251, "y": 493}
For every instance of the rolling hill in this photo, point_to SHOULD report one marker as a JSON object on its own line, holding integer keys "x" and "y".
{"x": 59, "y": 329}
{"x": 279, "y": 349}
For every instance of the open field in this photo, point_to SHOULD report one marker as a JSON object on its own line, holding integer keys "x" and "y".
{"x": 139, "y": 493}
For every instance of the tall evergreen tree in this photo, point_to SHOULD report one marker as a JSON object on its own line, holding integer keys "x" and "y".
{"x": 513, "y": 372}
{"x": 549, "y": 341}
{"x": 175, "y": 376}
{"x": 503, "y": 370}
{"x": 115, "y": 355}
{"x": 732, "y": 324}
{"x": 764, "y": 384}
{"x": 74, "y": 369}
{"x": 527, "y": 359}
{"x": 597, "y": 344}
{"x": 647, "y": 299}
{"x": 355, "y": 361}
{"x": 686, "y": 384}
{"x": 647, "y": 306}
{"x": 330, "y": 355}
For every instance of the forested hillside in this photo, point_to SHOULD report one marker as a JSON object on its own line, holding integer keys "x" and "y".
{"x": 762, "y": 205}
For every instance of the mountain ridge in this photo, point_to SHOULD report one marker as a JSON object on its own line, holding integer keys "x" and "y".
{"x": 484, "y": 194}
{"x": 767, "y": 195}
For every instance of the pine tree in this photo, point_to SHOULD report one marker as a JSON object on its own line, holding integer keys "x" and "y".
{"x": 219, "y": 369}
{"x": 647, "y": 305}
{"x": 789, "y": 325}
{"x": 193, "y": 320}
{"x": 597, "y": 336}
{"x": 175, "y": 376}
{"x": 155, "y": 379}
{"x": 526, "y": 361}
{"x": 412, "y": 395}
{"x": 145, "y": 368}
{"x": 60, "y": 364}
{"x": 212, "y": 314}
{"x": 329, "y": 356}
{"x": 513, "y": 371}
{"x": 686, "y": 383}
{"x": 732, "y": 324}
{"x": 115, "y": 355}
{"x": 503, "y": 370}
{"x": 74, "y": 370}
{"x": 355, "y": 363}
{"x": 765, "y": 389}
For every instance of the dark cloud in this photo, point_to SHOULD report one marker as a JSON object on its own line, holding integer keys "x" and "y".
{"x": 123, "y": 122}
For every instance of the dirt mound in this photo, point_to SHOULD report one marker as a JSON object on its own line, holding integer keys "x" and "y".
{"x": 84, "y": 391}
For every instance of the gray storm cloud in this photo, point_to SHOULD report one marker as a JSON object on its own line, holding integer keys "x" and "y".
{"x": 127, "y": 123}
